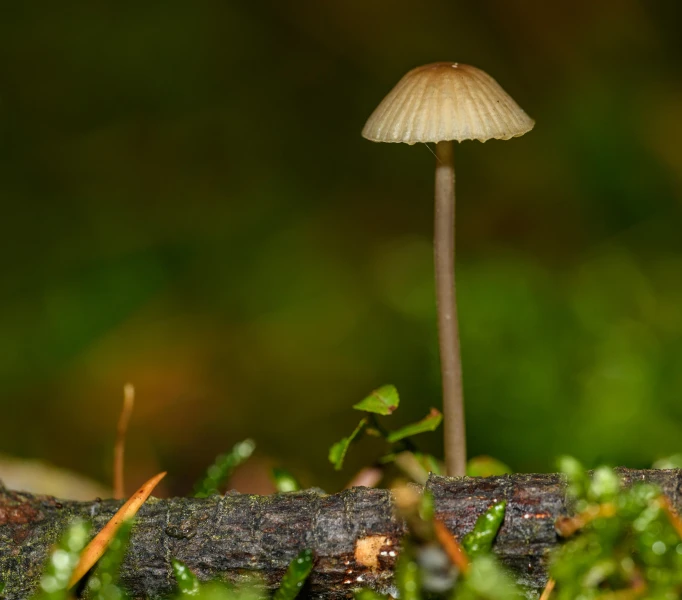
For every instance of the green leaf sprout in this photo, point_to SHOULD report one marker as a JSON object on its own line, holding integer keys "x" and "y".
{"x": 480, "y": 540}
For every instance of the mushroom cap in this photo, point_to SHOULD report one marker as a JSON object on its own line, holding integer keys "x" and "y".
{"x": 446, "y": 101}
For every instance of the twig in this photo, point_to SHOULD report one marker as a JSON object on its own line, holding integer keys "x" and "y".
{"x": 119, "y": 447}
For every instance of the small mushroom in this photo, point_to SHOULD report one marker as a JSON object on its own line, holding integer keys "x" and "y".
{"x": 440, "y": 103}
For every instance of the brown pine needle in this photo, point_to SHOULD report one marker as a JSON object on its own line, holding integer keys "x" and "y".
{"x": 451, "y": 546}
{"x": 119, "y": 447}
{"x": 97, "y": 546}
{"x": 549, "y": 588}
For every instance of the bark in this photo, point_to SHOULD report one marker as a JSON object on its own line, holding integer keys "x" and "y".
{"x": 228, "y": 537}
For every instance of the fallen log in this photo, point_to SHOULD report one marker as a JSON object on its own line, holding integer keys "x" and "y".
{"x": 355, "y": 534}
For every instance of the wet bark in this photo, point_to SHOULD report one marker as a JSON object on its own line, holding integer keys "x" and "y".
{"x": 229, "y": 537}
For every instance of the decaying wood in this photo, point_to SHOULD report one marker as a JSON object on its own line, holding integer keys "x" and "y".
{"x": 228, "y": 537}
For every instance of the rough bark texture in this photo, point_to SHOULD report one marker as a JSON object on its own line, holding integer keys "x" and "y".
{"x": 230, "y": 536}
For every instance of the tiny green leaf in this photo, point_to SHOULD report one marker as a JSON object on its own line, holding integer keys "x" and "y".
{"x": 284, "y": 481}
{"x": 219, "y": 472}
{"x": 429, "y": 423}
{"x": 381, "y": 402}
{"x": 188, "y": 584}
{"x": 338, "y": 451}
{"x": 486, "y": 466}
{"x": 295, "y": 577}
{"x": 480, "y": 540}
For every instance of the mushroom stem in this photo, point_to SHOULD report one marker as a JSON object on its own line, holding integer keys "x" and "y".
{"x": 446, "y": 300}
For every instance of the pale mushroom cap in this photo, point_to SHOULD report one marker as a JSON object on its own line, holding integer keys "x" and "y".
{"x": 446, "y": 101}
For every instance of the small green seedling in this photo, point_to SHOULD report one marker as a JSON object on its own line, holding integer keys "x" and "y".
{"x": 383, "y": 402}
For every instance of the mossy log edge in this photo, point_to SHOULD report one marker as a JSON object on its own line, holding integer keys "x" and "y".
{"x": 229, "y": 537}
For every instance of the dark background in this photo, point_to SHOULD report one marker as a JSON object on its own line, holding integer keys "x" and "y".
{"x": 187, "y": 204}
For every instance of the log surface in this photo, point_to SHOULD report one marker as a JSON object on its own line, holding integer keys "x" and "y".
{"x": 229, "y": 537}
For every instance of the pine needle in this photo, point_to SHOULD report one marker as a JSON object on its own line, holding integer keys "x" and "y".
{"x": 96, "y": 548}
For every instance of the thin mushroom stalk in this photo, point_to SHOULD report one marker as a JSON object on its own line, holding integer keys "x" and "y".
{"x": 441, "y": 103}
{"x": 446, "y": 301}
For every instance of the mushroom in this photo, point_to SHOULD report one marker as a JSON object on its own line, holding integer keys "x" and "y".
{"x": 439, "y": 103}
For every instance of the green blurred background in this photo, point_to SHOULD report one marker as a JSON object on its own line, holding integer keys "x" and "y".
{"x": 187, "y": 204}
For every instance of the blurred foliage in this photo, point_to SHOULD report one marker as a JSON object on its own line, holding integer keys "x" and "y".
{"x": 54, "y": 584}
{"x": 629, "y": 542}
{"x": 284, "y": 481}
{"x": 168, "y": 219}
